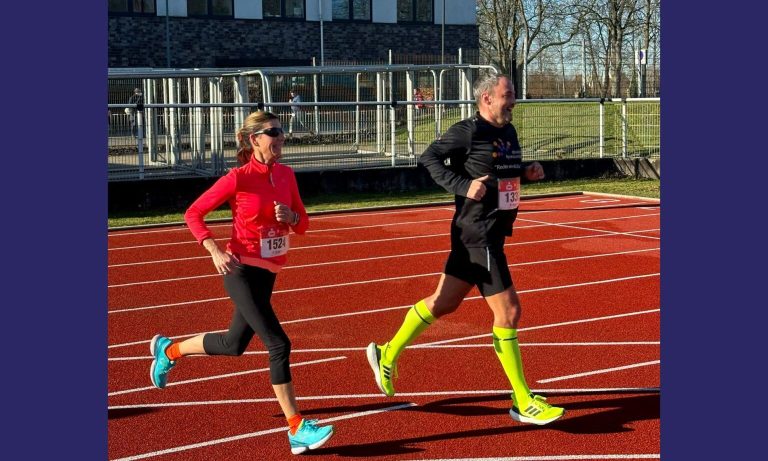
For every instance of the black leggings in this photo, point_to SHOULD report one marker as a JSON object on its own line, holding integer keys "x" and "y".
{"x": 250, "y": 288}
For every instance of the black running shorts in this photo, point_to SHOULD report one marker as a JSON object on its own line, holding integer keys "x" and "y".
{"x": 484, "y": 267}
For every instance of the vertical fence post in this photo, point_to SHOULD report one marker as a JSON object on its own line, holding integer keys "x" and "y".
{"x": 409, "y": 110}
{"x": 140, "y": 140}
{"x": 434, "y": 98}
{"x": 379, "y": 112}
{"x": 525, "y": 68}
{"x": 357, "y": 110}
{"x": 623, "y": 128}
{"x": 602, "y": 123}
{"x": 151, "y": 98}
{"x": 173, "y": 125}
{"x": 392, "y": 109}
{"x": 316, "y": 94}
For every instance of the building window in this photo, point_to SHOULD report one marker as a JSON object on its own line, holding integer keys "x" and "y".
{"x": 415, "y": 11}
{"x": 351, "y": 10}
{"x": 293, "y": 9}
{"x": 210, "y": 8}
{"x": 132, "y": 6}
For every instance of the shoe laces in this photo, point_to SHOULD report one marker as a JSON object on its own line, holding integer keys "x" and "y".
{"x": 539, "y": 403}
{"x": 310, "y": 425}
{"x": 168, "y": 365}
{"x": 393, "y": 367}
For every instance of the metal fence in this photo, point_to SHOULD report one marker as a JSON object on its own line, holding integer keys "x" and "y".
{"x": 352, "y": 117}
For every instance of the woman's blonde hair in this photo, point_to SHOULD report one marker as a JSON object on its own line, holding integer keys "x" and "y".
{"x": 253, "y": 123}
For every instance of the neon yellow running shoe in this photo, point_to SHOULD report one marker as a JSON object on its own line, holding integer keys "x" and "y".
{"x": 383, "y": 372}
{"x": 537, "y": 412}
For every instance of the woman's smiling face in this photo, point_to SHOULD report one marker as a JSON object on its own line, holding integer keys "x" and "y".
{"x": 269, "y": 148}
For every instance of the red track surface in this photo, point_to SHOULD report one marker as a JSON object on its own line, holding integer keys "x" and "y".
{"x": 587, "y": 270}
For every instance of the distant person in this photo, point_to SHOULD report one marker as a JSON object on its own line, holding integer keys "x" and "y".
{"x": 418, "y": 96}
{"x": 484, "y": 175}
{"x": 264, "y": 198}
{"x": 136, "y": 99}
{"x": 297, "y": 114}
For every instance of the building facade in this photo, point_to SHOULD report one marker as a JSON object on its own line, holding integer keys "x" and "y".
{"x": 264, "y": 33}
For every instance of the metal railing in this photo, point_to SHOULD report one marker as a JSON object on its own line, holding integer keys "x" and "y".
{"x": 187, "y": 129}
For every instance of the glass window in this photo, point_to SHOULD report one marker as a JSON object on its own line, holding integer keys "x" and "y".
{"x": 415, "y": 11}
{"x": 131, "y": 6}
{"x": 118, "y": 6}
{"x": 340, "y": 9}
{"x": 294, "y": 8}
{"x": 210, "y": 8}
{"x": 222, "y": 8}
{"x": 283, "y": 8}
{"x": 143, "y": 6}
{"x": 271, "y": 8}
{"x": 197, "y": 7}
{"x": 423, "y": 10}
{"x": 361, "y": 10}
{"x": 404, "y": 10}
{"x": 355, "y": 10}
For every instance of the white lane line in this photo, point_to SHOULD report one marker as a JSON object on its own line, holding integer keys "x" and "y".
{"x": 341, "y": 215}
{"x": 529, "y": 242}
{"x": 597, "y": 372}
{"x": 226, "y": 375}
{"x": 309, "y": 319}
{"x": 538, "y": 327}
{"x": 607, "y": 232}
{"x": 437, "y": 346}
{"x": 593, "y": 457}
{"x": 376, "y": 311}
{"x": 257, "y": 434}
{"x": 540, "y": 224}
{"x": 198, "y": 301}
{"x": 216, "y": 225}
{"x": 528, "y": 263}
{"x": 602, "y": 390}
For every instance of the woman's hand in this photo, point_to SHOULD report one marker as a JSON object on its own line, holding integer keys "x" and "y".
{"x": 222, "y": 261}
{"x": 285, "y": 214}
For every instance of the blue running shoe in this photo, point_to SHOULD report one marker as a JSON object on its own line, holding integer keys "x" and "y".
{"x": 309, "y": 436}
{"x": 161, "y": 365}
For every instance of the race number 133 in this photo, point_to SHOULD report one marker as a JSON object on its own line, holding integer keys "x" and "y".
{"x": 509, "y": 193}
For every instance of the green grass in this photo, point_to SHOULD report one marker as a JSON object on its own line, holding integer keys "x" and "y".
{"x": 555, "y": 130}
{"x": 639, "y": 188}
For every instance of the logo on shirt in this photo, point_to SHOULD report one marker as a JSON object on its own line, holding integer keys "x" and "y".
{"x": 503, "y": 150}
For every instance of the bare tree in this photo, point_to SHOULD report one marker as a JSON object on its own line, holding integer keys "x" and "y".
{"x": 542, "y": 23}
{"x": 499, "y": 24}
{"x": 612, "y": 20}
{"x": 515, "y": 30}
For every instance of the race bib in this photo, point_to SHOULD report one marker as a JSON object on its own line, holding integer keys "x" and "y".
{"x": 274, "y": 241}
{"x": 509, "y": 193}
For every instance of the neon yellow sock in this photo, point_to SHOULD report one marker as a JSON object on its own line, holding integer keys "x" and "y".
{"x": 416, "y": 321}
{"x": 508, "y": 351}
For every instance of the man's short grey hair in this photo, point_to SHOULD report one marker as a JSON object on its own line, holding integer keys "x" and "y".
{"x": 485, "y": 84}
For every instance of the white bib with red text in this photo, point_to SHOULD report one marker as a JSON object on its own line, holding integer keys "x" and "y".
{"x": 509, "y": 193}
{"x": 274, "y": 241}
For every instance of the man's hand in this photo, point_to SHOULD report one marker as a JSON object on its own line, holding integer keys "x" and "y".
{"x": 534, "y": 172}
{"x": 477, "y": 188}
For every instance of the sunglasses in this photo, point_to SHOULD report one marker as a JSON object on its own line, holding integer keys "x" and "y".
{"x": 271, "y": 132}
